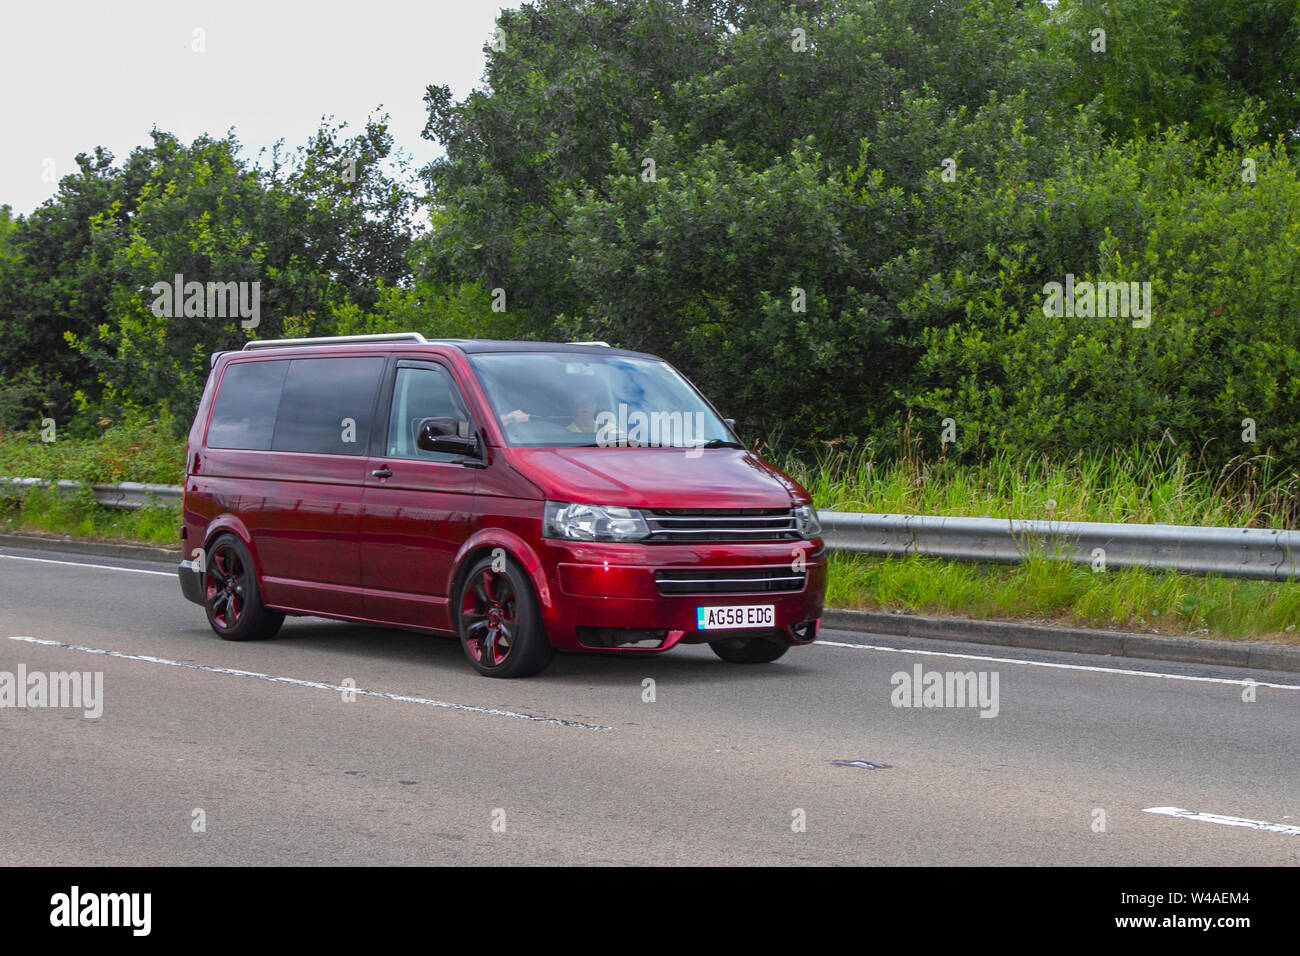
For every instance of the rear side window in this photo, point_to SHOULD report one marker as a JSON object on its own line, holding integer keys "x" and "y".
{"x": 244, "y": 413}
{"x": 326, "y": 404}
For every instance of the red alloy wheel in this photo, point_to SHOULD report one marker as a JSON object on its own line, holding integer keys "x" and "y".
{"x": 489, "y": 616}
{"x": 224, "y": 585}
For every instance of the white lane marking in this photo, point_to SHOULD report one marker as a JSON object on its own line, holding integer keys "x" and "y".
{"x": 1226, "y": 821}
{"x": 78, "y": 564}
{"x": 297, "y": 682}
{"x": 1245, "y": 682}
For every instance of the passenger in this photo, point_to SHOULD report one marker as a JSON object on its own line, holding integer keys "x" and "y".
{"x": 583, "y": 405}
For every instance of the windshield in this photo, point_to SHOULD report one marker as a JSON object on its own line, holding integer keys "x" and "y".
{"x": 568, "y": 399}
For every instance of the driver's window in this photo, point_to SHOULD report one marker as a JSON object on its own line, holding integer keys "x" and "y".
{"x": 420, "y": 393}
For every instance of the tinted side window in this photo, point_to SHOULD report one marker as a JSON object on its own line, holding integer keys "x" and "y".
{"x": 243, "y": 415}
{"x": 326, "y": 406}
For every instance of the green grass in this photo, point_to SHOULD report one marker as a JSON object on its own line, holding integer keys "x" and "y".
{"x": 77, "y": 514}
{"x": 1049, "y": 591}
{"x": 1144, "y": 486}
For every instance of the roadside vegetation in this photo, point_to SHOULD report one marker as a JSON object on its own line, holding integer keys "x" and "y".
{"x": 135, "y": 450}
{"x": 77, "y": 514}
{"x": 1158, "y": 484}
{"x": 1152, "y": 485}
{"x": 1040, "y": 590}
{"x": 841, "y": 218}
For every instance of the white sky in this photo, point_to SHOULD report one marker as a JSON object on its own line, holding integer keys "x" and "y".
{"x": 77, "y": 74}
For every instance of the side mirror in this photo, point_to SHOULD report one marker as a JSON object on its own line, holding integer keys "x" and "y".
{"x": 443, "y": 434}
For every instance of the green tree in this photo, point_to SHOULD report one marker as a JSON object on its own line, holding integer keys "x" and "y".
{"x": 737, "y": 186}
{"x": 1221, "y": 345}
{"x": 1168, "y": 62}
{"x": 321, "y": 227}
{"x": 6, "y": 227}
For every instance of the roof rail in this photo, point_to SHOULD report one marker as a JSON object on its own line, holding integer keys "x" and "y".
{"x": 605, "y": 344}
{"x": 337, "y": 340}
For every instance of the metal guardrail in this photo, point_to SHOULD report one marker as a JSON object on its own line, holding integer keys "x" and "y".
{"x": 126, "y": 494}
{"x": 1256, "y": 553}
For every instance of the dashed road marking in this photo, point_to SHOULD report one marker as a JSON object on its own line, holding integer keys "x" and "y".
{"x": 316, "y": 685}
{"x": 1226, "y": 821}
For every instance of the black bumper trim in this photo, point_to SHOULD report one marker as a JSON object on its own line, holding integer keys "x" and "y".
{"x": 191, "y": 582}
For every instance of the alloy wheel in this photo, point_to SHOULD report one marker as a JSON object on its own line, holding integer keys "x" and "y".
{"x": 489, "y": 616}
{"x": 225, "y": 583}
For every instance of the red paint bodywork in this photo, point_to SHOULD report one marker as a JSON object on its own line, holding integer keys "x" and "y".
{"x": 329, "y": 539}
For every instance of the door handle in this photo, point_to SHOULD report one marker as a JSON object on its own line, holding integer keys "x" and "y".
{"x": 382, "y": 473}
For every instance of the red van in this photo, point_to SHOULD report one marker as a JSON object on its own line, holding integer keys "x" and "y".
{"x": 524, "y": 496}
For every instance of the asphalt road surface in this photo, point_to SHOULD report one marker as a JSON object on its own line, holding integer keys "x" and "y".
{"x": 210, "y": 752}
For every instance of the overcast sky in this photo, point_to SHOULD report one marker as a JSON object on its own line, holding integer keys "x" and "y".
{"x": 77, "y": 74}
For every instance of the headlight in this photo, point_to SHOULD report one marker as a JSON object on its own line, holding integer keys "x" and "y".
{"x": 593, "y": 522}
{"x": 805, "y": 520}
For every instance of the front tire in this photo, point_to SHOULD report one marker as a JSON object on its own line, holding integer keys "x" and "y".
{"x": 231, "y": 596}
{"x": 748, "y": 650}
{"x": 499, "y": 622}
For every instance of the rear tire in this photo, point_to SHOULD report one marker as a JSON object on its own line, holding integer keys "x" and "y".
{"x": 231, "y": 596}
{"x": 748, "y": 650}
{"x": 499, "y": 622}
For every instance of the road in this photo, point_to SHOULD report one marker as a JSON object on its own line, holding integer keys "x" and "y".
{"x": 727, "y": 764}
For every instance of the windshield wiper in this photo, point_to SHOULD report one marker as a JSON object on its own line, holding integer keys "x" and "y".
{"x": 722, "y": 443}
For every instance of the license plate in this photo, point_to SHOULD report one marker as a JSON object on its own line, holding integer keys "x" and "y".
{"x": 729, "y": 618}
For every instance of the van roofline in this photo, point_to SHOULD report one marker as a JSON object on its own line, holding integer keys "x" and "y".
{"x": 415, "y": 337}
{"x": 467, "y": 346}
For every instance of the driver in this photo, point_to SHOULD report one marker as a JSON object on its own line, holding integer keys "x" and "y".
{"x": 582, "y": 406}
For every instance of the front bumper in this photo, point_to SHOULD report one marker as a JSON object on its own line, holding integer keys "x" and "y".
{"x": 606, "y": 597}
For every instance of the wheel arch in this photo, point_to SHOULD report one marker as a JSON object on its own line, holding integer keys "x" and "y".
{"x": 483, "y": 544}
{"x": 231, "y": 524}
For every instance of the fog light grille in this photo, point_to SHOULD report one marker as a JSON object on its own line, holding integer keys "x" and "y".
{"x": 621, "y": 637}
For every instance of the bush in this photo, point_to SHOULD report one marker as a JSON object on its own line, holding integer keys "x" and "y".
{"x": 1222, "y": 345}
{"x": 133, "y": 450}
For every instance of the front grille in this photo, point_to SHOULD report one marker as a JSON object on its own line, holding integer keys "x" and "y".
{"x": 730, "y": 524}
{"x": 780, "y": 577}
